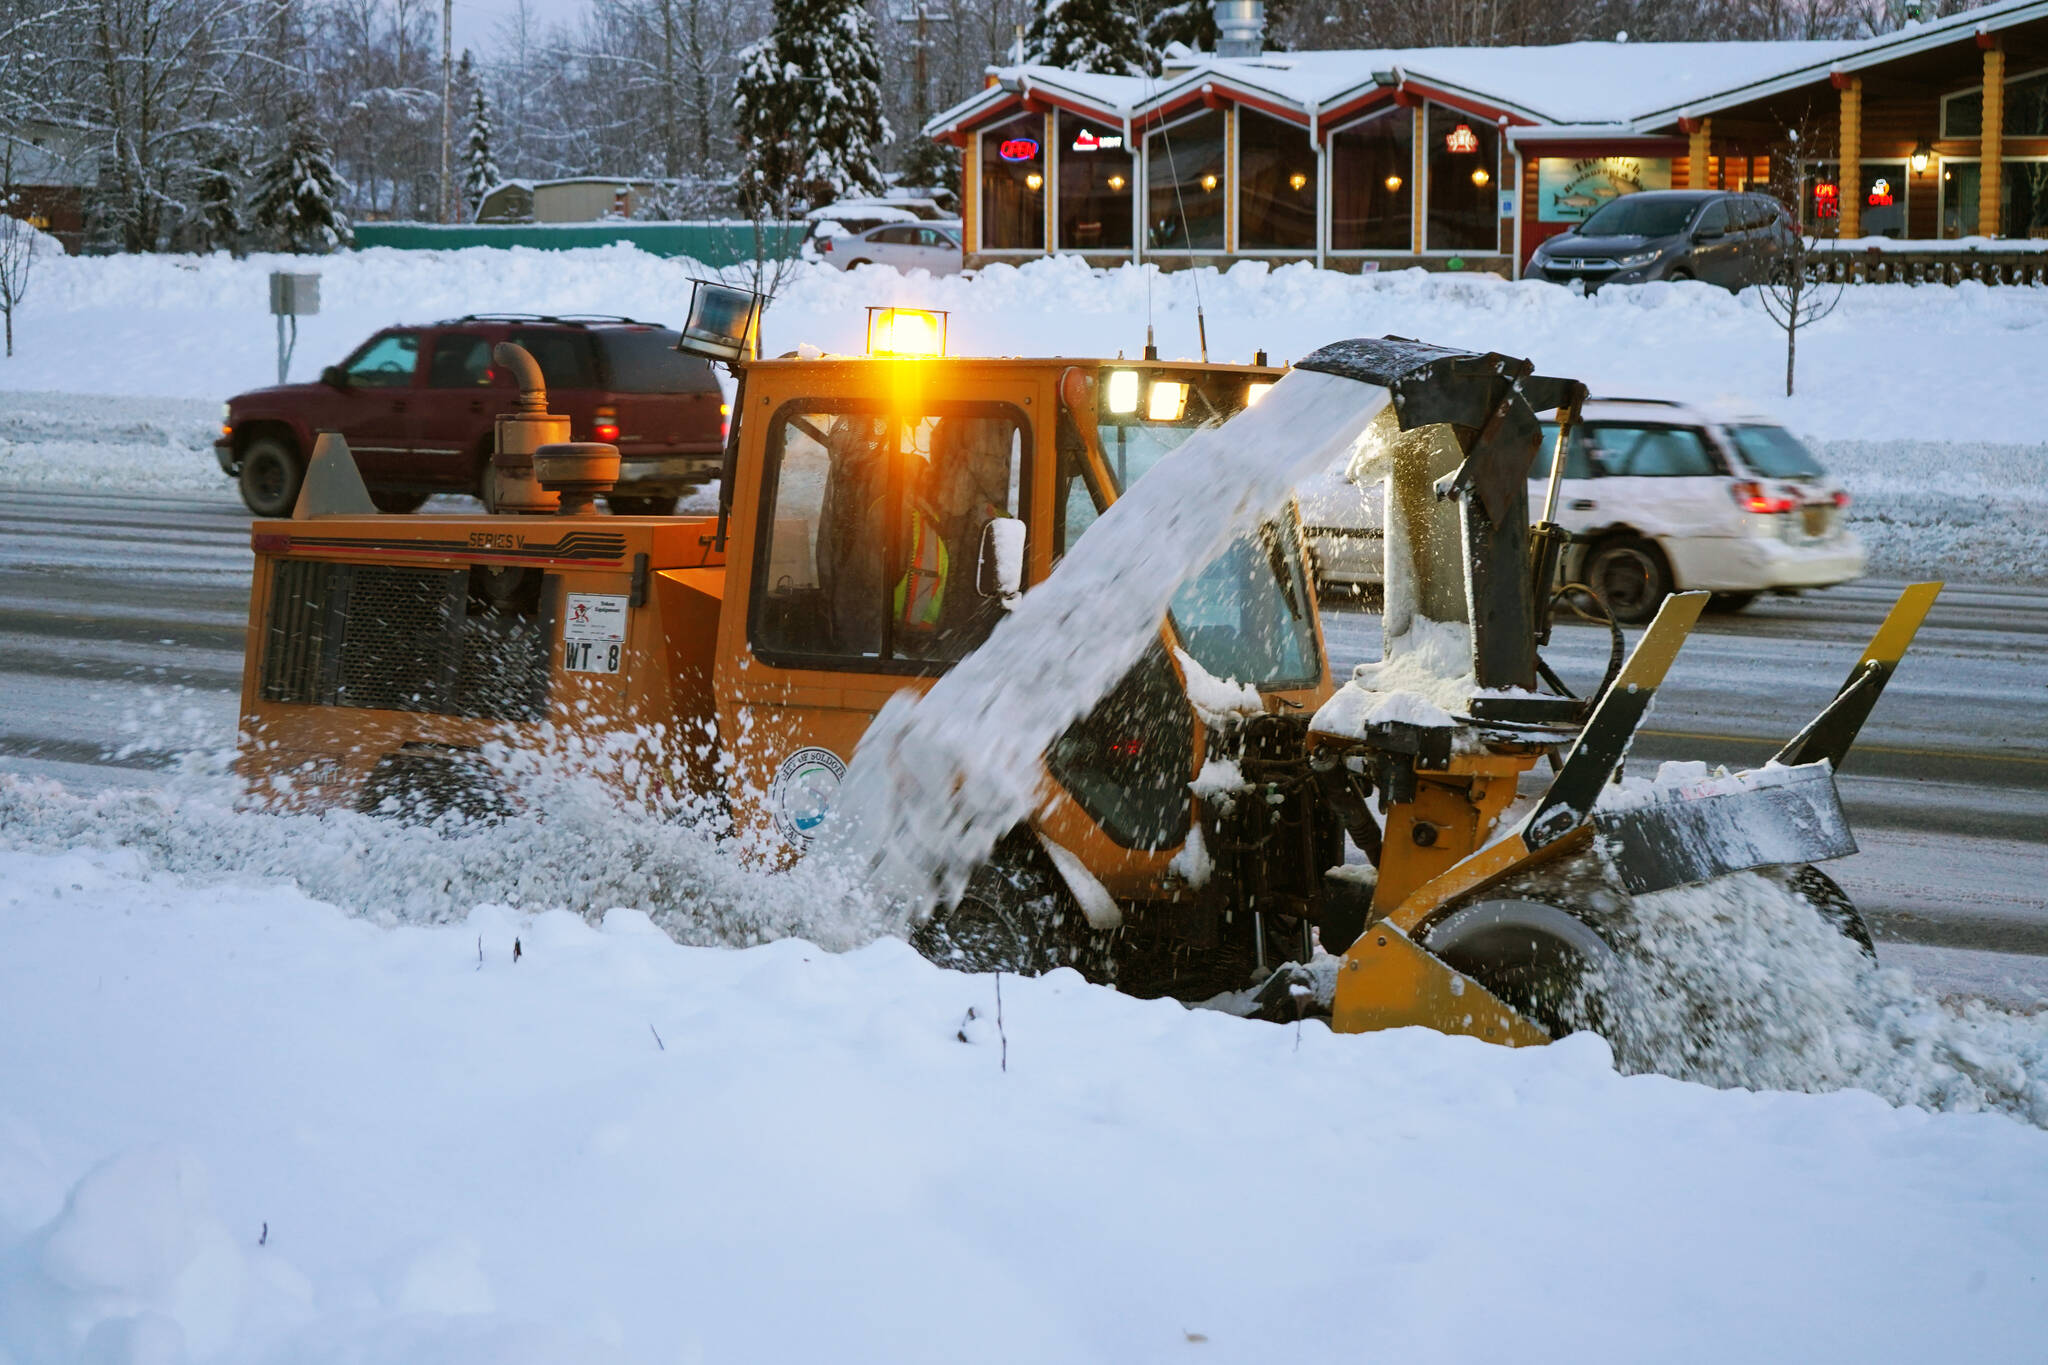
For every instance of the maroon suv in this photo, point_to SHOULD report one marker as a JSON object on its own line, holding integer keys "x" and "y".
{"x": 417, "y": 406}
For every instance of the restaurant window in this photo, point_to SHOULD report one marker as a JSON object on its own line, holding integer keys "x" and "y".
{"x": 1371, "y": 199}
{"x": 872, "y": 529}
{"x": 1095, "y": 185}
{"x": 1184, "y": 185}
{"x": 2026, "y": 109}
{"x": 1276, "y": 177}
{"x": 1013, "y": 165}
{"x": 2022, "y": 198}
{"x": 1464, "y": 201}
{"x": 1882, "y": 196}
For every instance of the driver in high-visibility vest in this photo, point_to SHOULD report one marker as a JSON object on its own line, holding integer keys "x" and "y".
{"x": 921, "y": 591}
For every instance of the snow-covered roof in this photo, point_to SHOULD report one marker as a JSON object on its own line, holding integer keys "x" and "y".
{"x": 1599, "y": 88}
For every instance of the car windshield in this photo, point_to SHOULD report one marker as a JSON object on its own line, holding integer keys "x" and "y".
{"x": 1775, "y": 453}
{"x": 1636, "y": 216}
{"x": 1245, "y": 616}
{"x": 645, "y": 360}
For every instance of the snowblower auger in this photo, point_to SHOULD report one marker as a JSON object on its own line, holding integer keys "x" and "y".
{"x": 1507, "y": 936}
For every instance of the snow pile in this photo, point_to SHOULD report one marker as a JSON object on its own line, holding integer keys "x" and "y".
{"x": 938, "y": 780}
{"x": 1739, "y": 983}
{"x": 142, "y": 445}
{"x": 619, "y": 1149}
{"x": 1963, "y": 509}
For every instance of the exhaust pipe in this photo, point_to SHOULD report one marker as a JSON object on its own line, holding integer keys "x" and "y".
{"x": 510, "y": 485}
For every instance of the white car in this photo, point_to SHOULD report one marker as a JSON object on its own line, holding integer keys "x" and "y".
{"x": 1659, "y": 497}
{"x": 907, "y": 246}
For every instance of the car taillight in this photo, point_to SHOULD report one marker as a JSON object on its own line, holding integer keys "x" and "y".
{"x": 606, "y": 426}
{"x": 725, "y": 421}
{"x": 1841, "y": 498}
{"x": 825, "y": 245}
{"x": 1751, "y": 497}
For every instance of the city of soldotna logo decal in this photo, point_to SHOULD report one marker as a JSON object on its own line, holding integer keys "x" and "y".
{"x": 801, "y": 796}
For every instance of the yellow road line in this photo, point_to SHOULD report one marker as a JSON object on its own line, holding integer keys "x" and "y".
{"x": 1973, "y": 755}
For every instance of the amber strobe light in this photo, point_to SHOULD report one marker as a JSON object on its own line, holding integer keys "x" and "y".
{"x": 906, "y": 332}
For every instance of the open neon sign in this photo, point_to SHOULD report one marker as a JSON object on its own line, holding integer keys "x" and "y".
{"x": 1880, "y": 193}
{"x": 1827, "y": 200}
{"x": 1019, "y": 149}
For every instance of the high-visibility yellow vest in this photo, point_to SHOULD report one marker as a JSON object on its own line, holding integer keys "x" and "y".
{"x": 921, "y": 592}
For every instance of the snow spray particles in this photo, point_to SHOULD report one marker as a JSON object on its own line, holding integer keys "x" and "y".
{"x": 937, "y": 781}
{"x": 1738, "y": 982}
{"x": 591, "y": 828}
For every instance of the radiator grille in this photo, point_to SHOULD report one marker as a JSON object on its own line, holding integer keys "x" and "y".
{"x": 456, "y": 642}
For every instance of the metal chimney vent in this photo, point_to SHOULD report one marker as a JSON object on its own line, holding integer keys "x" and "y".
{"x": 1240, "y": 28}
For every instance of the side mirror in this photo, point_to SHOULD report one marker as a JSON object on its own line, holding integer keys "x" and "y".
{"x": 334, "y": 377}
{"x": 1709, "y": 234}
{"x": 999, "y": 570}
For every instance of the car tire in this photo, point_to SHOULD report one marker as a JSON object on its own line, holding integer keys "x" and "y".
{"x": 1631, "y": 576}
{"x": 1678, "y": 273}
{"x": 397, "y": 504}
{"x": 857, "y": 262}
{"x": 271, "y": 475}
{"x": 1730, "y": 601}
{"x": 659, "y": 505}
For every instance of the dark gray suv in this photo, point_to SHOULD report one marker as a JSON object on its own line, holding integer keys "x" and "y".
{"x": 1716, "y": 236}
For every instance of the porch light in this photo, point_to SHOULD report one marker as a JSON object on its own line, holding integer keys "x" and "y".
{"x": 1393, "y": 184}
{"x": 1922, "y": 154}
{"x": 1296, "y": 181}
{"x": 1034, "y": 180}
{"x": 1480, "y": 176}
{"x": 1123, "y": 391}
{"x": 906, "y": 332}
{"x": 1209, "y": 182}
{"x": 1169, "y": 400}
{"x": 1116, "y": 182}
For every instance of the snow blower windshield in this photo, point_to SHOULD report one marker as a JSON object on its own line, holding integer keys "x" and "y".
{"x": 1245, "y": 616}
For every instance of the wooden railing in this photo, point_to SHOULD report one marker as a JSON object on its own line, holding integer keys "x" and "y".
{"x": 1887, "y": 266}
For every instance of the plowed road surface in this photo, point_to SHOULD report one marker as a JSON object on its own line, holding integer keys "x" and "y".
{"x": 122, "y": 621}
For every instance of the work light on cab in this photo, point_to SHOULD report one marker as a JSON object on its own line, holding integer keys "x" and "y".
{"x": 906, "y": 332}
{"x": 1169, "y": 399}
{"x": 1123, "y": 391}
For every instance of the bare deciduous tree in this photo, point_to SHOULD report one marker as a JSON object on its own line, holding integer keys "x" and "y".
{"x": 1798, "y": 291}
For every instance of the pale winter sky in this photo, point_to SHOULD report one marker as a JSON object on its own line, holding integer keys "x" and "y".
{"x": 477, "y": 22}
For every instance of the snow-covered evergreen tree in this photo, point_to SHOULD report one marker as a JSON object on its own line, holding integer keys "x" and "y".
{"x": 217, "y": 217}
{"x": 1088, "y": 35}
{"x": 480, "y": 175}
{"x": 807, "y": 107}
{"x": 298, "y": 193}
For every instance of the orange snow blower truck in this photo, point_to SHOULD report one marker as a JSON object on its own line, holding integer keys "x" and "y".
{"x": 875, "y": 515}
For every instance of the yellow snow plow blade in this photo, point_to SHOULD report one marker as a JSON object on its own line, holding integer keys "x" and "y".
{"x": 1389, "y": 982}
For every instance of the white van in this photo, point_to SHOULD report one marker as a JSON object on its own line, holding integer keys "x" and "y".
{"x": 1659, "y": 496}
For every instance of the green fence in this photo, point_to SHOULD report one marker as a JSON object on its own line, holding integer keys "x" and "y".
{"x": 715, "y": 244}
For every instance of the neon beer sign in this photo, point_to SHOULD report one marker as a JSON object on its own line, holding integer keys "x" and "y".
{"x": 1880, "y": 193}
{"x": 1462, "y": 139}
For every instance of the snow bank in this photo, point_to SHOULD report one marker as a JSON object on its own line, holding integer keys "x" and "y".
{"x": 136, "y": 324}
{"x": 241, "y": 1127}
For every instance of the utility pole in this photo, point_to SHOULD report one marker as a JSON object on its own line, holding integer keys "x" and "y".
{"x": 447, "y": 97}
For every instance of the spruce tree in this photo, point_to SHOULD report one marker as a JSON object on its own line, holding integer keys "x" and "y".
{"x": 217, "y": 218}
{"x": 807, "y": 107}
{"x": 298, "y": 193}
{"x": 481, "y": 174}
{"x": 1087, "y": 35}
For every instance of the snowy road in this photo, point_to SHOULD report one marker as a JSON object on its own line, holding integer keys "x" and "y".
{"x": 122, "y": 619}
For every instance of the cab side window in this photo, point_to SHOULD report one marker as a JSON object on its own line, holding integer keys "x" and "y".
{"x": 867, "y": 552}
{"x": 386, "y": 363}
{"x": 1651, "y": 452}
{"x": 459, "y": 360}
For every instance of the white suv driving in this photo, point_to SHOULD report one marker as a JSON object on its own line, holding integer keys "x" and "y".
{"x": 1659, "y": 496}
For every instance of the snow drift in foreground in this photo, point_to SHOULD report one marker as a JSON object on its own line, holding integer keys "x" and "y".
{"x": 239, "y": 1126}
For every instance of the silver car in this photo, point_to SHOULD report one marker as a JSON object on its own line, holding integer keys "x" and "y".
{"x": 934, "y": 247}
